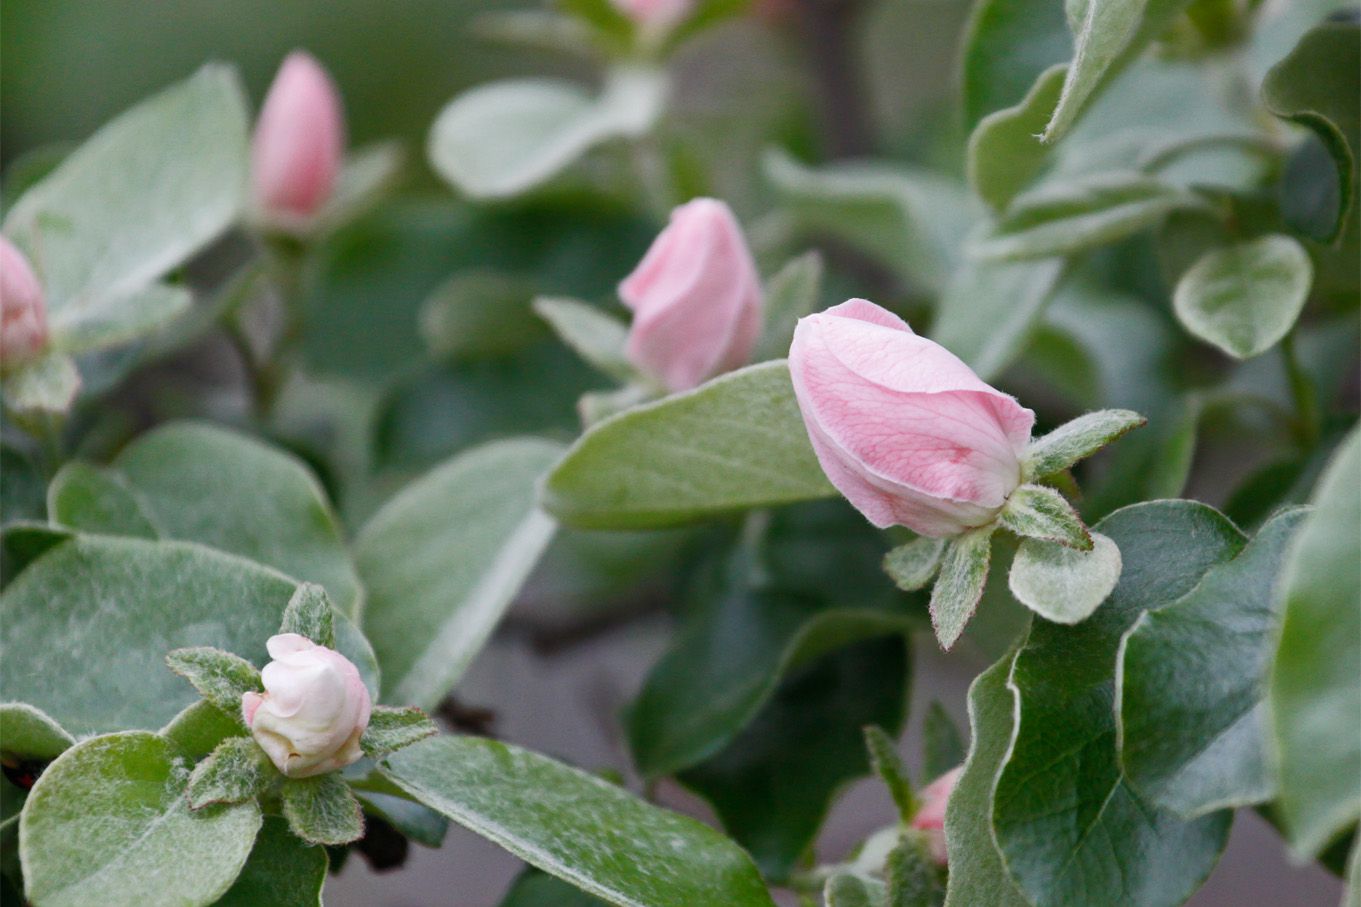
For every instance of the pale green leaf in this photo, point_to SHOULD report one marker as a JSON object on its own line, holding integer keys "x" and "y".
{"x": 443, "y": 559}
{"x": 1005, "y": 152}
{"x": 959, "y": 586}
{"x": 734, "y": 443}
{"x": 180, "y": 161}
{"x": 47, "y": 386}
{"x": 1007, "y": 45}
{"x": 220, "y": 677}
{"x": 1040, "y": 512}
{"x": 282, "y": 871}
{"x": 505, "y": 138}
{"x": 888, "y": 765}
{"x": 1076, "y": 440}
{"x": 30, "y": 733}
{"x": 846, "y": 888}
{"x": 1315, "y": 683}
{"x": 480, "y": 314}
{"x": 110, "y": 814}
{"x": 112, "y": 320}
{"x": 322, "y": 810}
{"x": 597, "y": 337}
{"x": 913, "y": 565}
{"x": 1244, "y": 298}
{"x": 577, "y": 826}
{"x": 791, "y": 293}
{"x": 93, "y": 499}
{"x": 309, "y": 613}
{"x": 235, "y": 771}
{"x": 200, "y": 727}
{"x": 1062, "y": 583}
{"x": 988, "y": 310}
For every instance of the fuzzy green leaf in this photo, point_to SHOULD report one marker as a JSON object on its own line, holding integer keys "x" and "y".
{"x": 220, "y": 677}
{"x": 596, "y": 336}
{"x": 94, "y": 499}
{"x": 963, "y": 573}
{"x": 1040, "y": 512}
{"x": 910, "y": 875}
{"x": 1007, "y": 45}
{"x": 888, "y": 765}
{"x": 237, "y": 770}
{"x": 913, "y": 565}
{"x": 1005, "y": 152}
{"x": 30, "y": 733}
{"x": 322, "y": 810}
{"x": 282, "y": 871}
{"x": 1076, "y": 440}
{"x": 846, "y": 888}
{"x": 988, "y": 311}
{"x": 1061, "y": 583}
{"x": 391, "y": 728}
{"x": 791, "y": 293}
{"x": 309, "y": 613}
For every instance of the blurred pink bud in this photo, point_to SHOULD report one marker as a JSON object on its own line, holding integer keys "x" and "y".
{"x": 299, "y": 142}
{"x": 696, "y": 298}
{"x": 903, "y": 428}
{"x": 931, "y": 817}
{"x": 655, "y": 15}
{"x": 313, "y": 711}
{"x": 23, "y": 315}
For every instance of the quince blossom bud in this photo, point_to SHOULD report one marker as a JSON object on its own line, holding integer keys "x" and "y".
{"x": 299, "y": 142}
{"x": 313, "y": 711}
{"x": 696, "y": 298}
{"x": 23, "y": 315}
{"x": 931, "y": 817}
{"x": 904, "y": 429}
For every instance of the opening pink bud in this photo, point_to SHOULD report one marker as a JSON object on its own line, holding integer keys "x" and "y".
{"x": 23, "y": 314}
{"x": 696, "y": 298}
{"x": 904, "y": 429}
{"x": 655, "y": 15}
{"x": 931, "y": 817}
{"x": 299, "y": 142}
{"x": 313, "y": 711}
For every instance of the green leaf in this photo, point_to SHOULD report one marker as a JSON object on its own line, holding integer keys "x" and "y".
{"x": 321, "y": 809}
{"x": 44, "y": 386}
{"x": 93, "y": 499}
{"x": 31, "y": 733}
{"x": 237, "y": 770}
{"x": 1005, "y": 152}
{"x": 480, "y": 314}
{"x": 1244, "y": 298}
{"x": 505, "y": 138}
{"x": 1040, "y": 512}
{"x": 1107, "y": 35}
{"x": 1315, "y": 683}
{"x": 309, "y": 613}
{"x": 942, "y": 747}
{"x": 1007, "y": 45}
{"x": 201, "y": 727}
{"x": 1061, "y": 583}
{"x": 114, "y": 320}
{"x": 977, "y": 873}
{"x": 220, "y": 677}
{"x": 1191, "y": 684}
{"x": 1080, "y": 213}
{"x": 282, "y": 871}
{"x": 910, "y": 874}
{"x": 533, "y": 888}
{"x": 913, "y": 565}
{"x": 417, "y": 821}
{"x": 205, "y": 484}
{"x": 110, "y": 814}
{"x": 734, "y": 443}
{"x": 595, "y": 336}
{"x": 444, "y": 557}
{"x": 1076, "y": 440}
{"x": 108, "y": 609}
{"x": 791, "y": 293}
{"x": 963, "y": 573}
{"x": 847, "y": 888}
{"x": 98, "y": 244}
{"x": 577, "y": 826}
{"x": 912, "y": 220}
{"x": 989, "y": 309}
{"x": 391, "y": 729}
{"x": 773, "y": 785}
{"x": 367, "y": 174}
{"x": 1316, "y": 86}
{"x": 888, "y": 765}
{"x": 1070, "y": 827}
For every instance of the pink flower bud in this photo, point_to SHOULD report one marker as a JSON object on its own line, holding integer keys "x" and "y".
{"x": 904, "y": 429}
{"x": 696, "y": 298}
{"x": 23, "y": 316}
{"x": 299, "y": 142}
{"x": 314, "y": 708}
{"x": 655, "y": 15}
{"x": 931, "y": 817}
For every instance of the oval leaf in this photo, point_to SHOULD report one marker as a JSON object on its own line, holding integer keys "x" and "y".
{"x": 1064, "y": 584}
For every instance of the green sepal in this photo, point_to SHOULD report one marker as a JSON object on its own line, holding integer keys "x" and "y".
{"x": 888, "y": 765}
{"x": 220, "y": 677}
{"x": 846, "y": 888}
{"x": 963, "y": 573}
{"x": 391, "y": 728}
{"x": 1038, "y": 512}
{"x": 234, "y": 772}
{"x": 322, "y": 810}
{"x": 309, "y": 613}
{"x": 911, "y": 876}
{"x": 1077, "y": 440}
{"x": 913, "y": 565}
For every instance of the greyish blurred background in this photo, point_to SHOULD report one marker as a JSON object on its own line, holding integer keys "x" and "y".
{"x": 561, "y": 668}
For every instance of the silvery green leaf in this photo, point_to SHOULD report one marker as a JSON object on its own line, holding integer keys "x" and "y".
{"x": 1040, "y": 512}
{"x": 1062, "y": 583}
{"x": 1076, "y": 440}
{"x": 959, "y": 585}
